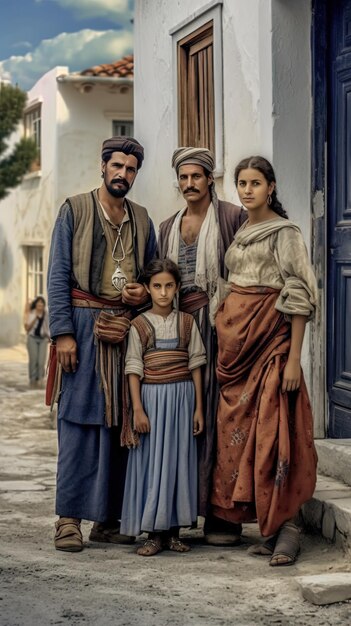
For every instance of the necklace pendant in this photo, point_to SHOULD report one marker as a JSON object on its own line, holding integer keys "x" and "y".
{"x": 118, "y": 279}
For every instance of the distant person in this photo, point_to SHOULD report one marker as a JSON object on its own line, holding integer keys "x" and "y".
{"x": 36, "y": 324}
{"x": 163, "y": 362}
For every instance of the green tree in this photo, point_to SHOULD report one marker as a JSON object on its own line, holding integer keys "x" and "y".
{"x": 15, "y": 164}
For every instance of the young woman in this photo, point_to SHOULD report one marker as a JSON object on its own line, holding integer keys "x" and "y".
{"x": 37, "y": 328}
{"x": 266, "y": 460}
{"x": 163, "y": 361}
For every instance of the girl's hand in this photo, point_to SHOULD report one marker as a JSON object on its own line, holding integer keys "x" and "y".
{"x": 291, "y": 375}
{"x": 198, "y": 421}
{"x": 141, "y": 421}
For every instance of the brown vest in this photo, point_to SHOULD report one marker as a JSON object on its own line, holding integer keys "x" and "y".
{"x": 89, "y": 240}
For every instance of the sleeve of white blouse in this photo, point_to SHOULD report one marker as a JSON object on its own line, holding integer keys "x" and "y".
{"x": 299, "y": 295}
{"x": 134, "y": 358}
{"x": 196, "y": 348}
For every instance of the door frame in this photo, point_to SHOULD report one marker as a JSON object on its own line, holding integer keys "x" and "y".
{"x": 318, "y": 339}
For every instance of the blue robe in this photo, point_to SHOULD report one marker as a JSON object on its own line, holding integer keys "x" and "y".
{"x": 91, "y": 463}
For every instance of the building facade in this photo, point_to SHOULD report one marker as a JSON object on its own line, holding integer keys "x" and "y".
{"x": 68, "y": 115}
{"x": 268, "y": 77}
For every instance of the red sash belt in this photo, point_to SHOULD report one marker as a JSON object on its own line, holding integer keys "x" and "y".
{"x": 193, "y": 301}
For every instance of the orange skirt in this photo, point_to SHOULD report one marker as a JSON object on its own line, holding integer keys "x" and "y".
{"x": 266, "y": 460}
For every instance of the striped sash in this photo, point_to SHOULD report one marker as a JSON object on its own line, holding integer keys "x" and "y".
{"x": 166, "y": 366}
{"x": 162, "y": 365}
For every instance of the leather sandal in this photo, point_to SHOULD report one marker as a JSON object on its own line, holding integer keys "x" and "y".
{"x": 176, "y": 545}
{"x": 68, "y": 536}
{"x": 151, "y": 547}
{"x": 287, "y": 546}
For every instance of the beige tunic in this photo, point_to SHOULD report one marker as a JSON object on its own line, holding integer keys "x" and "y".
{"x": 165, "y": 328}
{"x": 273, "y": 254}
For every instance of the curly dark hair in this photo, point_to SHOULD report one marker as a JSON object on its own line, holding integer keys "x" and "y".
{"x": 262, "y": 165}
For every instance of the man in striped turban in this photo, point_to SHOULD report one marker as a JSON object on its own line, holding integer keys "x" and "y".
{"x": 196, "y": 238}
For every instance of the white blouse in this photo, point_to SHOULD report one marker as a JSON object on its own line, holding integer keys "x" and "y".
{"x": 278, "y": 260}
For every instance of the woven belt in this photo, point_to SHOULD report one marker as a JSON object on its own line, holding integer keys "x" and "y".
{"x": 94, "y": 304}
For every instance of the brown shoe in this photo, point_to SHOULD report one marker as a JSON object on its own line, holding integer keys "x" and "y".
{"x": 68, "y": 536}
{"x": 100, "y": 532}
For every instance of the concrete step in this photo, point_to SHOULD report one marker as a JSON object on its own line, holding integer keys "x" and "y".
{"x": 329, "y": 512}
{"x": 334, "y": 458}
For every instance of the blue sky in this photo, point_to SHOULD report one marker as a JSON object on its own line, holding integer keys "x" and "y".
{"x": 37, "y": 35}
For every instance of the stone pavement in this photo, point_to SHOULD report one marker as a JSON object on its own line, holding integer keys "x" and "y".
{"x": 109, "y": 585}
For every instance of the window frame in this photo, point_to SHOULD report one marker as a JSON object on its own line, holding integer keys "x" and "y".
{"x": 120, "y": 121}
{"x": 34, "y": 270}
{"x": 33, "y": 130}
{"x": 212, "y": 12}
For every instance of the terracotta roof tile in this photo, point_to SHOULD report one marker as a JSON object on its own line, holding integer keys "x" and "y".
{"x": 124, "y": 68}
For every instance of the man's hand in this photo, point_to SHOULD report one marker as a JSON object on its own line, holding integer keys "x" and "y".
{"x": 134, "y": 294}
{"x": 66, "y": 350}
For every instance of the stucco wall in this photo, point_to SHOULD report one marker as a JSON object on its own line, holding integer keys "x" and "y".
{"x": 292, "y": 112}
{"x": 266, "y": 99}
{"x": 292, "y": 106}
{"x": 85, "y": 121}
{"x": 25, "y": 214}
{"x": 73, "y": 127}
{"x": 247, "y": 93}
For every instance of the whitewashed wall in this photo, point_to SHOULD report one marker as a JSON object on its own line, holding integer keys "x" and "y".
{"x": 85, "y": 121}
{"x": 266, "y": 99}
{"x": 25, "y": 214}
{"x": 74, "y": 124}
{"x": 247, "y": 92}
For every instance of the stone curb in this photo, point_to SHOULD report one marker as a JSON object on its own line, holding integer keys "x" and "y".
{"x": 329, "y": 512}
{"x": 325, "y": 588}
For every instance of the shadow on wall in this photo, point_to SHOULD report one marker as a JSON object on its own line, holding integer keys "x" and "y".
{"x": 6, "y": 261}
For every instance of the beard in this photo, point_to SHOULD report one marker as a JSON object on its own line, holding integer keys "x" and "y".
{"x": 117, "y": 193}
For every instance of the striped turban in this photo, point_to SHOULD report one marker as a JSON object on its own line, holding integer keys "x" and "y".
{"x": 193, "y": 156}
{"x": 128, "y": 145}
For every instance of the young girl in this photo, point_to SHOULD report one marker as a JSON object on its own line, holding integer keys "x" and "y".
{"x": 266, "y": 460}
{"x": 163, "y": 361}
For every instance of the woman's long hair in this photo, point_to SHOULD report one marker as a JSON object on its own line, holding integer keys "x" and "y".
{"x": 262, "y": 165}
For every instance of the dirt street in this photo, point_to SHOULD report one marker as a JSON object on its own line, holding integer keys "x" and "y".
{"x": 109, "y": 585}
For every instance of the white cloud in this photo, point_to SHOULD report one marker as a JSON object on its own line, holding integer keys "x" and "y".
{"x": 76, "y": 50}
{"x": 117, "y": 10}
{"x": 21, "y": 44}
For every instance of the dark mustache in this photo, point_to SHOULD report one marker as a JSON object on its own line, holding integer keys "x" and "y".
{"x": 191, "y": 189}
{"x": 121, "y": 181}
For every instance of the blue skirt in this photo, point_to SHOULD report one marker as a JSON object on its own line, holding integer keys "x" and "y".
{"x": 161, "y": 481}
